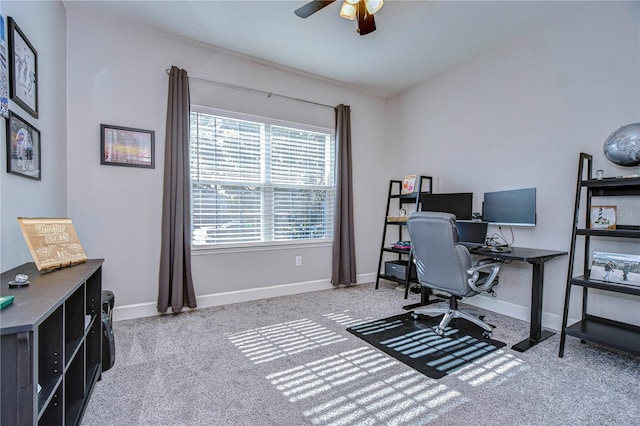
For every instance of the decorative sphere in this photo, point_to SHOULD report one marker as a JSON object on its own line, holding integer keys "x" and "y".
{"x": 623, "y": 146}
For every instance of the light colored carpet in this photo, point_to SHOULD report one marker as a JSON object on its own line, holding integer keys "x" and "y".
{"x": 290, "y": 361}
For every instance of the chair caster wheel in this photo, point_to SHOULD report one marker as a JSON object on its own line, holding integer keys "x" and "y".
{"x": 439, "y": 331}
{"x": 414, "y": 316}
{"x": 486, "y": 335}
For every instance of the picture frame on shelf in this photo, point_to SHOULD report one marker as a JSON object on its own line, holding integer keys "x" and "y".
{"x": 126, "y": 146}
{"x": 615, "y": 267}
{"x": 23, "y": 148}
{"x": 603, "y": 217}
{"x": 23, "y": 70}
{"x": 53, "y": 242}
{"x": 408, "y": 184}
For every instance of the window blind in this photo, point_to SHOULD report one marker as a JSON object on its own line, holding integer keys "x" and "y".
{"x": 259, "y": 181}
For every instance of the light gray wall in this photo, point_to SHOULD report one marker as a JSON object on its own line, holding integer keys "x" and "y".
{"x": 517, "y": 117}
{"x": 514, "y": 117}
{"x": 44, "y": 24}
{"x": 116, "y": 75}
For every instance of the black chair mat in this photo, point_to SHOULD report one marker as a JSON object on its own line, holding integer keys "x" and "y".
{"x": 416, "y": 344}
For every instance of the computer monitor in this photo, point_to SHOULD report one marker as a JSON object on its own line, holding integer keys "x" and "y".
{"x": 459, "y": 204}
{"x": 516, "y": 207}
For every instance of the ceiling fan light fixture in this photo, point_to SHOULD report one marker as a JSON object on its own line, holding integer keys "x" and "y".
{"x": 373, "y": 5}
{"x": 348, "y": 10}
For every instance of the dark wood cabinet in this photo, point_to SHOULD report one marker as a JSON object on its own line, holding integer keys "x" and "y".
{"x": 604, "y": 331}
{"x": 51, "y": 344}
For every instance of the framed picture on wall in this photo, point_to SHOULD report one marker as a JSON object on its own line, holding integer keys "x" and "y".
{"x": 4, "y": 76}
{"x": 23, "y": 70}
{"x": 23, "y": 148}
{"x": 125, "y": 146}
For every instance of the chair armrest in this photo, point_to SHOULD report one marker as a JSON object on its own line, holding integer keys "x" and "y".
{"x": 474, "y": 273}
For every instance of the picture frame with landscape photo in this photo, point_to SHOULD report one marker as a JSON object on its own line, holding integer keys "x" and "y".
{"x": 23, "y": 70}
{"x": 23, "y": 148}
{"x": 615, "y": 267}
{"x": 126, "y": 146}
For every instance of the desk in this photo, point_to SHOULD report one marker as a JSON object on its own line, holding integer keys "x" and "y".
{"x": 537, "y": 258}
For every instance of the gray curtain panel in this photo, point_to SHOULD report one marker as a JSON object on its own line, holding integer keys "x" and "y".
{"x": 343, "y": 269}
{"x": 175, "y": 281}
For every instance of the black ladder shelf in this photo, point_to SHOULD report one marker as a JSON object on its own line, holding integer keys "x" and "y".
{"x": 423, "y": 186}
{"x": 603, "y": 331}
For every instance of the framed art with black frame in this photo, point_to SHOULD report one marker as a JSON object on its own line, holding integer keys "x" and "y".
{"x": 4, "y": 75}
{"x": 23, "y": 148}
{"x": 23, "y": 70}
{"x": 126, "y": 146}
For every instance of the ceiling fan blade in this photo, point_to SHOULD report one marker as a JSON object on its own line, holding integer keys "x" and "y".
{"x": 366, "y": 23}
{"x": 312, "y": 7}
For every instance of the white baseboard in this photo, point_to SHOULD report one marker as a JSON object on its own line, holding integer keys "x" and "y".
{"x": 550, "y": 321}
{"x": 140, "y": 310}
{"x": 149, "y": 309}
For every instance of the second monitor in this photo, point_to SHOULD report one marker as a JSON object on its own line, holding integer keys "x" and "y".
{"x": 459, "y": 204}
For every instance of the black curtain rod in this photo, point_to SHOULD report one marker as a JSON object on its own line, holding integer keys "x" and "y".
{"x": 256, "y": 91}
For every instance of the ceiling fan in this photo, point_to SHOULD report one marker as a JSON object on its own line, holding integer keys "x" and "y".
{"x": 362, "y": 9}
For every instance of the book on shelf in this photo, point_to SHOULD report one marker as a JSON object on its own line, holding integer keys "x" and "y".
{"x": 408, "y": 184}
{"x": 403, "y": 245}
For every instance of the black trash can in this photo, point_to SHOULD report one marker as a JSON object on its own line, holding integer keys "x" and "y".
{"x": 108, "y": 300}
{"x": 108, "y": 339}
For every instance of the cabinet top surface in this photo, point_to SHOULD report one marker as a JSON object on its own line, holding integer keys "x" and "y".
{"x": 45, "y": 292}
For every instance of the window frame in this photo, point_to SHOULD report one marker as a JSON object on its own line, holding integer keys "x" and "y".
{"x": 238, "y": 247}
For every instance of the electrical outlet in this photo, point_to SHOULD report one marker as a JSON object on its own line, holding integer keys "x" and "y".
{"x": 298, "y": 260}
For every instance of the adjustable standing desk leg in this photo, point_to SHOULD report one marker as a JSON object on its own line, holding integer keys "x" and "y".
{"x": 536, "y": 333}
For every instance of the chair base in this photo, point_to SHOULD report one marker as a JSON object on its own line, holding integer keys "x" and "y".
{"x": 450, "y": 314}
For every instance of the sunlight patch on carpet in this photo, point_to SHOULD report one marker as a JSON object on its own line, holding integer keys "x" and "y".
{"x": 492, "y": 370}
{"x": 345, "y": 318}
{"x": 353, "y": 388}
{"x": 265, "y": 344}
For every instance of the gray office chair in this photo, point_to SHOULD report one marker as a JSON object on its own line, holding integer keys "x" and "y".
{"x": 443, "y": 264}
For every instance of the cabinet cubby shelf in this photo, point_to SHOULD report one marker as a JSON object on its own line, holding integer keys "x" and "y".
{"x": 47, "y": 392}
{"x": 603, "y": 331}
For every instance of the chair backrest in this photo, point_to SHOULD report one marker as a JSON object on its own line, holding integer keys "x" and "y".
{"x": 441, "y": 263}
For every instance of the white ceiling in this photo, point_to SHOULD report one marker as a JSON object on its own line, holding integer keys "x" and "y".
{"x": 414, "y": 39}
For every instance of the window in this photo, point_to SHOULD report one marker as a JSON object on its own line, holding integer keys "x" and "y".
{"x": 255, "y": 180}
